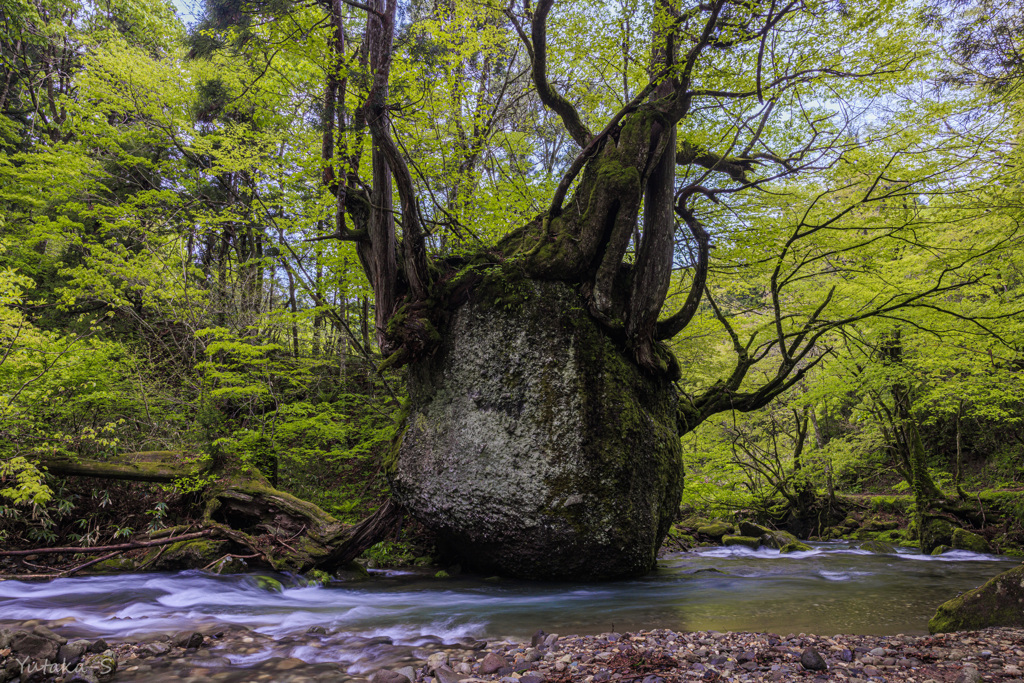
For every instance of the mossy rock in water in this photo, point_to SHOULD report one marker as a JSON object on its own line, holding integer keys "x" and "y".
{"x": 934, "y": 532}
{"x": 1000, "y": 602}
{"x": 268, "y": 583}
{"x": 966, "y": 540}
{"x": 748, "y": 541}
{"x": 715, "y": 529}
{"x": 880, "y": 547}
{"x": 941, "y": 550}
{"x": 534, "y": 445}
{"x": 778, "y": 539}
{"x": 796, "y": 547}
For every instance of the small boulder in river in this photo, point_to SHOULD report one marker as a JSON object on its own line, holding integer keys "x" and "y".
{"x": 1000, "y": 602}
{"x": 190, "y": 640}
{"x": 796, "y": 547}
{"x": 751, "y": 542}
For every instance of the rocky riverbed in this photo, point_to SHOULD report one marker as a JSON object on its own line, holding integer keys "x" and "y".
{"x": 34, "y": 652}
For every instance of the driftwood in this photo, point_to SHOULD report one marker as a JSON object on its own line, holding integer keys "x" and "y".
{"x": 369, "y": 532}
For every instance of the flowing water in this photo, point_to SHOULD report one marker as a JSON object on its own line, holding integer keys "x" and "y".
{"x": 830, "y": 589}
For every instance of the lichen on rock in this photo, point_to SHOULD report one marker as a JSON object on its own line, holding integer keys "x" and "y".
{"x": 533, "y": 445}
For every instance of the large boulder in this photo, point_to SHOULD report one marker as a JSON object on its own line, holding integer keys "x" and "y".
{"x": 1000, "y": 602}
{"x": 533, "y": 446}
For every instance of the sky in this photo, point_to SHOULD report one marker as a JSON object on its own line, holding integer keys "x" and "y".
{"x": 188, "y": 10}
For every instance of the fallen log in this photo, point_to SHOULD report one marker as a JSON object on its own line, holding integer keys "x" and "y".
{"x": 120, "y": 548}
{"x": 149, "y": 466}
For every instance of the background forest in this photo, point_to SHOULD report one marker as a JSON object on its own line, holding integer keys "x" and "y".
{"x": 175, "y": 277}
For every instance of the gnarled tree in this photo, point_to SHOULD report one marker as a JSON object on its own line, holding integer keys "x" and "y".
{"x": 541, "y": 434}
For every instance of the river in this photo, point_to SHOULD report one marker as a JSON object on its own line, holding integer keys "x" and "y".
{"x": 833, "y": 588}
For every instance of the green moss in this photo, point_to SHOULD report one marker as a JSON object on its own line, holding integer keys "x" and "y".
{"x": 115, "y": 564}
{"x": 268, "y": 583}
{"x": 318, "y": 576}
{"x": 748, "y": 541}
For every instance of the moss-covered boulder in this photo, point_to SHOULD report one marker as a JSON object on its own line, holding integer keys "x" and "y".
{"x": 966, "y": 540}
{"x": 1000, "y": 602}
{"x": 795, "y": 547}
{"x": 778, "y": 539}
{"x": 941, "y": 550}
{"x": 767, "y": 537}
{"x": 935, "y": 531}
{"x": 715, "y": 529}
{"x": 751, "y": 529}
{"x": 747, "y": 541}
{"x": 879, "y": 547}
{"x": 533, "y": 445}
{"x": 876, "y": 524}
{"x": 194, "y": 554}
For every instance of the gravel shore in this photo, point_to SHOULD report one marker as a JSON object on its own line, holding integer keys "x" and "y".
{"x": 658, "y": 656}
{"x": 667, "y": 656}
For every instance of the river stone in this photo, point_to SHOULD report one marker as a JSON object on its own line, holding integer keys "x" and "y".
{"x": 492, "y": 663}
{"x": 1000, "y": 602}
{"x": 534, "y": 446}
{"x": 438, "y": 659}
{"x": 965, "y": 540}
{"x": 796, "y": 547}
{"x": 190, "y": 640}
{"x": 388, "y": 676}
{"x": 34, "y": 646}
{"x": 812, "y": 661}
{"x": 445, "y": 675}
{"x": 71, "y": 653}
{"x": 969, "y": 674}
